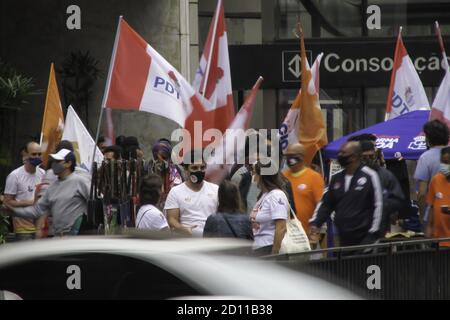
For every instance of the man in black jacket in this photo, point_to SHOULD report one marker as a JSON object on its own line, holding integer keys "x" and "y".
{"x": 393, "y": 198}
{"x": 356, "y": 197}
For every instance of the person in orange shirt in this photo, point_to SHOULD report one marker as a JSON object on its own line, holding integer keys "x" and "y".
{"x": 307, "y": 184}
{"x": 439, "y": 199}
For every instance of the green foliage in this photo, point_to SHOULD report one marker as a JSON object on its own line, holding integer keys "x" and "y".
{"x": 79, "y": 73}
{"x": 14, "y": 88}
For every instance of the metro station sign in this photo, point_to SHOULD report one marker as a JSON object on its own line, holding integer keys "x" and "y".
{"x": 346, "y": 63}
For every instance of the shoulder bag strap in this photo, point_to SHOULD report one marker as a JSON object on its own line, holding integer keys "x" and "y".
{"x": 292, "y": 212}
{"x": 143, "y": 215}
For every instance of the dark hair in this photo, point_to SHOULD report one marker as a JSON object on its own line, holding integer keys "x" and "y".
{"x": 115, "y": 149}
{"x": 26, "y": 145}
{"x": 150, "y": 189}
{"x": 130, "y": 141}
{"x": 71, "y": 157}
{"x": 229, "y": 198}
{"x": 129, "y": 147}
{"x": 101, "y": 139}
{"x": 445, "y": 151}
{"x": 129, "y": 152}
{"x": 273, "y": 181}
{"x": 356, "y": 147}
{"x": 437, "y": 133}
{"x": 64, "y": 144}
{"x": 367, "y": 145}
{"x": 362, "y": 137}
{"x": 120, "y": 140}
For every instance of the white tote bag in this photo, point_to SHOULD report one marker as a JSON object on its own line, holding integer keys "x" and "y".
{"x": 295, "y": 240}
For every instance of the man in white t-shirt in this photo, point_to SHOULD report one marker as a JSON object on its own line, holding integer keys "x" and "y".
{"x": 20, "y": 188}
{"x": 189, "y": 204}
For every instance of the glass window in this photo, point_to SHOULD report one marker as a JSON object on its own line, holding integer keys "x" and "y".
{"x": 348, "y": 18}
{"x": 102, "y": 276}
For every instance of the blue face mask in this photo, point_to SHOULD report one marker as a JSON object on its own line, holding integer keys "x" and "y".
{"x": 444, "y": 169}
{"x": 34, "y": 161}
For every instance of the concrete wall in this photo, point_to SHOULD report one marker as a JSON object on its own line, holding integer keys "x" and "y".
{"x": 33, "y": 34}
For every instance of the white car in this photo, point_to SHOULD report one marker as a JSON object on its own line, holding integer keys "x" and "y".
{"x": 124, "y": 268}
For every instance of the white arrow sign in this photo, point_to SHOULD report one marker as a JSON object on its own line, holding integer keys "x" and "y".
{"x": 295, "y": 66}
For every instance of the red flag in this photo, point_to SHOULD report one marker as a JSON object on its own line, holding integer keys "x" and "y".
{"x": 233, "y": 142}
{"x": 213, "y": 78}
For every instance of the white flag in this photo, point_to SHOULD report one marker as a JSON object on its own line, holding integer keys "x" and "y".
{"x": 406, "y": 92}
{"x": 441, "y": 104}
{"x": 83, "y": 144}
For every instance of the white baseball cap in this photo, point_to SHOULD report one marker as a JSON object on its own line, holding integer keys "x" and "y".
{"x": 61, "y": 154}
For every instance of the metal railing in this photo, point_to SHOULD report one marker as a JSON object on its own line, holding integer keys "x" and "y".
{"x": 410, "y": 269}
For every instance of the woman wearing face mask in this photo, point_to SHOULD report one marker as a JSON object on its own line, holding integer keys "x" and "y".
{"x": 65, "y": 199}
{"x": 189, "y": 204}
{"x": 270, "y": 212}
{"x": 439, "y": 199}
{"x": 162, "y": 165}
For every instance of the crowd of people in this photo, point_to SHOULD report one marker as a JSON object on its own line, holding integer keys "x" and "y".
{"x": 360, "y": 202}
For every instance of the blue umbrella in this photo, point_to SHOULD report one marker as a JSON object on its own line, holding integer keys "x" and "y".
{"x": 400, "y": 137}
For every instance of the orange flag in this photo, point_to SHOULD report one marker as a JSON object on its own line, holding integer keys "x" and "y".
{"x": 312, "y": 129}
{"x": 53, "y": 121}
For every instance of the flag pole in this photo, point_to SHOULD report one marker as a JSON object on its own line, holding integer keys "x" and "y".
{"x": 441, "y": 44}
{"x": 321, "y": 163}
{"x": 393, "y": 74}
{"x": 208, "y": 65}
{"x": 106, "y": 91}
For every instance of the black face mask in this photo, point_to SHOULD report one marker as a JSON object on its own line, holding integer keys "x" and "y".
{"x": 197, "y": 177}
{"x": 292, "y": 161}
{"x": 344, "y": 161}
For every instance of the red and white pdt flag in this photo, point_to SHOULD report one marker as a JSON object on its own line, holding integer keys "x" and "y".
{"x": 406, "y": 92}
{"x": 213, "y": 77}
{"x": 141, "y": 79}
